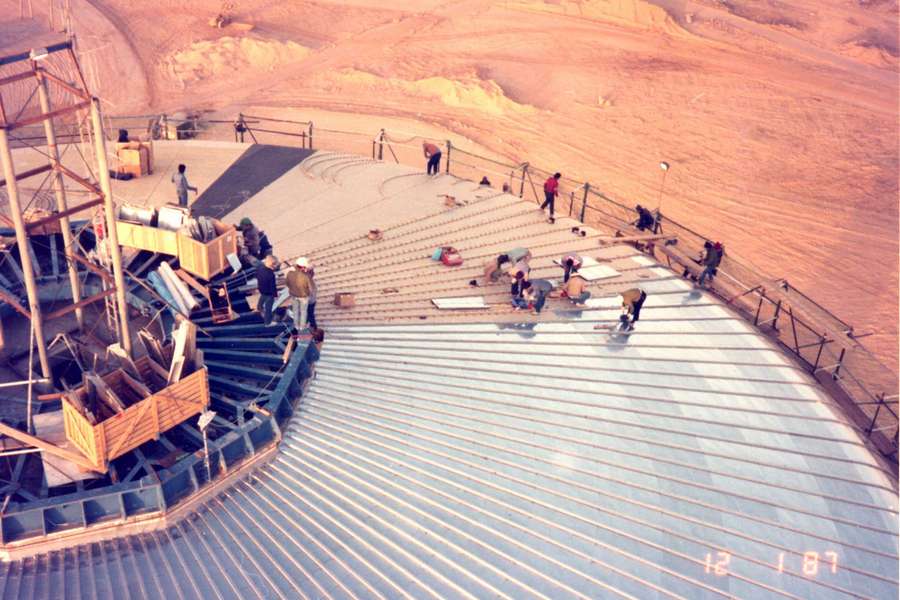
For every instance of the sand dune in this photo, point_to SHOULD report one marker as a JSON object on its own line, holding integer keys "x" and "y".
{"x": 779, "y": 120}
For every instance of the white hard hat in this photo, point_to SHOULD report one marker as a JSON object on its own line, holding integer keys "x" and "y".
{"x": 302, "y": 262}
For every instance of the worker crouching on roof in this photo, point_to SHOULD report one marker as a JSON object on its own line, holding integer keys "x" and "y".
{"x": 537, "y": 293}
{"x": 268, "y": 289}
{"x": 518, "y": 259}
{"x": 576, "y": 289}
{"x": 251, "y": 237}
{"x": 632, "y": 301}
{"x": 493, "y": 269}
{"x": 302, "y": 290}
{"x": 570, "y": 263}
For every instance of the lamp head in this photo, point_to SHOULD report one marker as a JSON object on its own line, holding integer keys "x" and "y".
{"x": 664, "y": 166}
{"x": 38, "y": 54}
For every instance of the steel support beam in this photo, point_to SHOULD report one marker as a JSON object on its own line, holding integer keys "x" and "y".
{"x": 15, "y": 209}
{"x": 111, "y": 234}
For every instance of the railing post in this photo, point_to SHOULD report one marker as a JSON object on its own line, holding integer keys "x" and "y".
{"x": 758, "y": 309}
{"x": 571, "y": 202}
{"x": 837, "y": 369}
{"x": 819, "y": 354}
{"x": 310, "y": 134}
{"x": 875, "y": 418}
{"x": 584, "y": 199}
{"x": 522, "y": 185}
{"x": 775, "y": 318}
{"x": 381, "y": 137}
{"x": 449, "y": 147}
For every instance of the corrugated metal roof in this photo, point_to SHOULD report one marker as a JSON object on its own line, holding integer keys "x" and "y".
{"x": 493, "y": 454}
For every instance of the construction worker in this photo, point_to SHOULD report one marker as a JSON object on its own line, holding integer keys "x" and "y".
{"x": 433, "y": 154}
{"x": 710, "y": 261}
{"x": 182, "y": 186}
{"x": 313, "y": 293}
{"x": 570, "y": 262}
{"x": 300, "y": 287}
{"x": 632, "y": 301}
{"x": 576, "y": 289}
{"x": 519, "y": 287}
{"x": 251, "y": 237}
{"x": 268, "y": 289}
{"x": 536, "y": 293}
{"x": 493, "y": 269}
{"x": 645, "y": 220}
{"x": 519, "y": 259}
{"x": 551, "y": 191}
{"x": 485, "y": 182}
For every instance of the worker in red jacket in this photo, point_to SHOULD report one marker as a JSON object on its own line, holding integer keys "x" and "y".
{"x": 551, "y": 191}
{"x": 433, "y": 154}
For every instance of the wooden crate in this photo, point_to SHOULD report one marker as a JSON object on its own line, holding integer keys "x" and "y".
{"x": 207, "y": 259}
{"x": 140, "y": 422}
{"x": 203, "y": 259}
{"x": 143, "y": 237}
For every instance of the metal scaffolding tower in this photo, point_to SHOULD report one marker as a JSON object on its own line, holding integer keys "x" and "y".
{"x": 45, "y": 87}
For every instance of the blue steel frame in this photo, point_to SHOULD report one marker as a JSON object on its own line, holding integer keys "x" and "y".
{"x": 156, "y": 496}
{"x": 157, "y": 493}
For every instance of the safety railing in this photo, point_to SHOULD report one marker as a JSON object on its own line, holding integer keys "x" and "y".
{"x": 819, "y": 339}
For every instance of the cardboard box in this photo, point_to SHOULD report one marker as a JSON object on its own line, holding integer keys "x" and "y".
{"x": 134, "y": 160}
{"x": 344, "y": 299}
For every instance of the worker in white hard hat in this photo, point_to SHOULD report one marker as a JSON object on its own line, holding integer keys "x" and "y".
{"x": 301, "y": 288}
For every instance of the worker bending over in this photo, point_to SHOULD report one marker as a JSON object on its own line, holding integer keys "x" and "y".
{"x": 632, "y": 301}
{"x": 570, "y": 262}
{"x": 536, "y": 293}
{"x": 433, "y": 154}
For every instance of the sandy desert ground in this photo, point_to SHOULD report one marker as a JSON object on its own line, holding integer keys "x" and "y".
{"x": 780, "y": 119}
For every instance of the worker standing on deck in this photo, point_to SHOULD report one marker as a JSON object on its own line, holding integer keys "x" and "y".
{"x": 313, "y": 293}
{"x": 251, "y": 237}
{"x": 182, "y": 187}
{"x": 570, "y": 263}
{"x": 268, "y": 289}
{"x": 632, "y": 301}
{"x": 551, "y": 191}
{"x": 433, "y": 154}
{"x": 300, "y": 287}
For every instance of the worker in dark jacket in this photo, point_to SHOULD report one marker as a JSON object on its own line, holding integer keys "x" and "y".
{"x": 645, "y": 220}
{"x": 632, "y": 301}
{"x": 712, "y": 256}
{"x": 251, "y": 237}
{"x": 265, "y": 277}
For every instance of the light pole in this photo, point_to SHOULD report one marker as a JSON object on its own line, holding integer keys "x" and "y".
{"x": 665, "y": 169}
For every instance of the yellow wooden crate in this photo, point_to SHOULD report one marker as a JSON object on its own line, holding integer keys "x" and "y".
{"x": 140, "y": 422}
{"x": 203, "y": 259}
